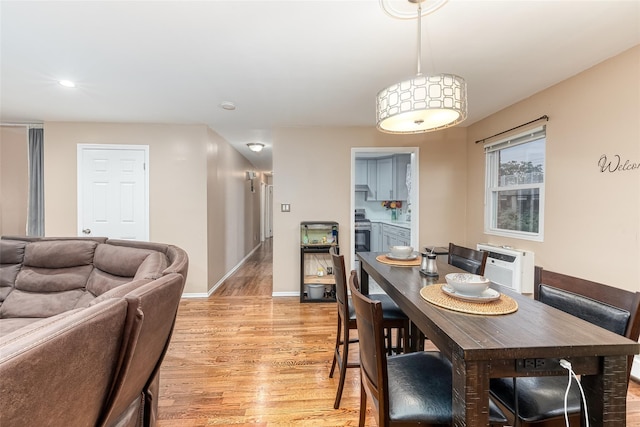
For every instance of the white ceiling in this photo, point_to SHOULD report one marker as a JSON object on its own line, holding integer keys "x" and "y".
{"x": 285, "y": 63}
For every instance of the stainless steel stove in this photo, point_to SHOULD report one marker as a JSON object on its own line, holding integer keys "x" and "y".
{"x": 361, "y": 222}
{"x": 362, "y": 231}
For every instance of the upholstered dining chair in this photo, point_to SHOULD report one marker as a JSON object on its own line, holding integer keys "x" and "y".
{"x": 467, "y": 259}
{"x": 407, "y": 389}
{"x": 540, "y": 400}
{"x": 394, "y": 321}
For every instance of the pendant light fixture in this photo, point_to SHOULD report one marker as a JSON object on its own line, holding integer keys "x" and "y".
{"x": 424, "y": 103}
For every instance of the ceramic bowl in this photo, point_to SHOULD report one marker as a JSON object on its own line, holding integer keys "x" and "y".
{"x": 401, "y": 251}
{"x": 467, "y": 283}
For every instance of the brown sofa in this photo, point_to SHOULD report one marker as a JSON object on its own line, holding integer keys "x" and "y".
{"x": 84, "y": 326}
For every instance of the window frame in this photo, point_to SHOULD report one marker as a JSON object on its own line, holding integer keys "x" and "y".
{"x": 492, "y": 187}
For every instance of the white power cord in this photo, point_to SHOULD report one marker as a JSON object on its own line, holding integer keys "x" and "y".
{"x": 567, "y": 365}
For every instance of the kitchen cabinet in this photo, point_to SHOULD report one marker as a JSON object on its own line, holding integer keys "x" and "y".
{"x": 395, "y": 236}
{"x": 386, "y": 177}
{"x": 372, "y": 174}
{"x": 376, "y": 237}
{"x": 362, "y": 172}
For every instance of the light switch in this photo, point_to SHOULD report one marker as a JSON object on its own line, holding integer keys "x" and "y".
{"x": 285, "y": 207}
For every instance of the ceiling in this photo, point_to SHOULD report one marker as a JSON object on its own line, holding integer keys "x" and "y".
{"x": 285, "y": 63}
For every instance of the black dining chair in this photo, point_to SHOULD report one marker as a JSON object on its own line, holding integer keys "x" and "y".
{"x": 395, "y": 323}
{"x": 407, "y": 389}
{"x": 467, "y": 259}
{"x": 540, "y": 400}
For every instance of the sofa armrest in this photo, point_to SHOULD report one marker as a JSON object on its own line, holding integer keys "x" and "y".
{"x": 45, "y": 367}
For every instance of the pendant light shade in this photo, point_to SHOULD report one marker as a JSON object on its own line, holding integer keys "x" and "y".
{"x": 424, "y": 103}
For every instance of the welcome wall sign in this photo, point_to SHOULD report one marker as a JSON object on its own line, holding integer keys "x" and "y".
{"x": 616, "y": 163}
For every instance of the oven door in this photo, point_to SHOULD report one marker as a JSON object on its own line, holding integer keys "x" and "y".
{"x": 363, "y": 240}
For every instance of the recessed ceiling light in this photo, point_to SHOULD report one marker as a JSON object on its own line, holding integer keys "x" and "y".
{"x": 67, "y": 83}
{"x": 230, "y": 106}
{"x": 255, "y": 146}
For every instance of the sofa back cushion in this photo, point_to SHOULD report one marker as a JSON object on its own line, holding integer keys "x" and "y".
{"x": 52, "y": 279}
{"x": 117, "y": 265}
{"x": 11, "y": 257}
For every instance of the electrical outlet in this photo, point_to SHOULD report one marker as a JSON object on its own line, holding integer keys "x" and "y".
{"x": 533, "y": 365}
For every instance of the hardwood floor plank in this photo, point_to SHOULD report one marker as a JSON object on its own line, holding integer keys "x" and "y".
{"x": 243, "y": 358}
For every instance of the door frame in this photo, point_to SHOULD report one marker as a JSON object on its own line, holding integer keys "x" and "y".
{"x": 414, "y": 195}
{"x": 80, "y": 175}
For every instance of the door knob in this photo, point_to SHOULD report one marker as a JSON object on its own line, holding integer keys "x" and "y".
{"x": 87, "y": 231}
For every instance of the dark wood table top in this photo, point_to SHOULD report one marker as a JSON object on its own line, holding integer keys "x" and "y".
{"x": 481, "y": 347}
{"x": 534, "y": 330}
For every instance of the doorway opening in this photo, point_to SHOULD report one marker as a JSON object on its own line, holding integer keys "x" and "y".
{"x": 384, "y": 199}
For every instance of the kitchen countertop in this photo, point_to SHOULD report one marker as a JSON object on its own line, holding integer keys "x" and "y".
{"x": 403, "y": 224}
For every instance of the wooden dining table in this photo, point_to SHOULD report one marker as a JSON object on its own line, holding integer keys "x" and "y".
{"x": 527, "y": 342}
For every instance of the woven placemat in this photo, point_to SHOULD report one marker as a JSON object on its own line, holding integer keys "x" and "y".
{"x": 386, "y": 260}
{"x": 435, "y": 295}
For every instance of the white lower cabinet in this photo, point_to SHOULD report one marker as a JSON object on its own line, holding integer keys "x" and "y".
{"x": 394, "y": 236}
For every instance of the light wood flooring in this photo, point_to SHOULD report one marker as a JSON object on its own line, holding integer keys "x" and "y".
{"x": 243, "y": 358}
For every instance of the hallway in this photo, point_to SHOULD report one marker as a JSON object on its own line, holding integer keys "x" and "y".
{"x": 254, "y": 278}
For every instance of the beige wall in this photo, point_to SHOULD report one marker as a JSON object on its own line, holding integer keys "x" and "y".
{"x": 14, "y": 180}
{"x": 182, "y": 161}
{"x": 592, "y": 219}
{"x": 312, "y": 172}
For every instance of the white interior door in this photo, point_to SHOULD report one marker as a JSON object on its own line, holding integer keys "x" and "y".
{"x": 113, "y": 191}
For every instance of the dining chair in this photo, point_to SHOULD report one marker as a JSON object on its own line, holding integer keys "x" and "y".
{"x": 540, "y": 400}
{"x": 407, "y": 389}
{"x": 467, "y": 259}
{"x": 394, "y": 321}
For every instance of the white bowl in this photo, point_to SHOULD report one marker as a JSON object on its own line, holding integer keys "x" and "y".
{"x": 401, "y": 251}
{"x": 467, "y": 283}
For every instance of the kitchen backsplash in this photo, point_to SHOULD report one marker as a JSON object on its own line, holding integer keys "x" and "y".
{"x": 375, "y": 210}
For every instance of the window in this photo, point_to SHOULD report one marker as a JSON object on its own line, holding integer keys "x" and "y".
{"x": 514, "y": 198}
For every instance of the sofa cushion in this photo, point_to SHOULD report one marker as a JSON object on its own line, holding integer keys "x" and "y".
{"x": 11, "y": 251}
{"x": 100, "y": 282}
{"x": 11, "y": 257}
{"x": 33, "y": 304}
{"x": 117, "y": 265}
{"x": 152, "y": 267}
{"x": 33, "y": 279}
{"x": 59, "y": 253}
{"x": 119, "y": 291}
{"x": 119, "y": 260}
{"x": 13, "y": 324}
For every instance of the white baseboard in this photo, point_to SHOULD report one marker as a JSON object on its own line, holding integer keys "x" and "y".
{"x": 286, "y": 294}
{"x": 225, "y": 277}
